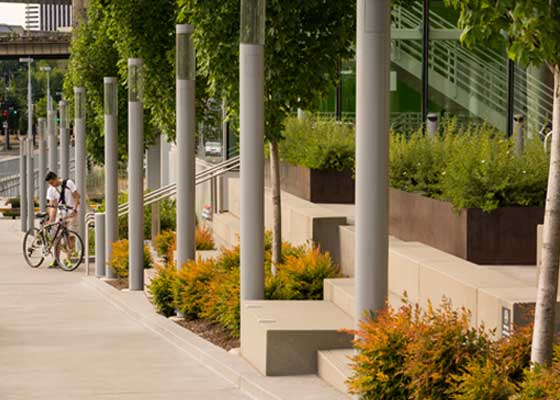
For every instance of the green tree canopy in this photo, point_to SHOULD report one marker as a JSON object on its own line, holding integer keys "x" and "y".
{"x": 304, "y": 42}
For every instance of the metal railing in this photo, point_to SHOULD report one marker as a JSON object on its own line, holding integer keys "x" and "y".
{"x": 476, "y": 79}
{"x": 162, "y": 193}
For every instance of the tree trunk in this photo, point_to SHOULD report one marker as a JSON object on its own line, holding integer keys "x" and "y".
{"x": 276, "y": 206}
{"x": 543, "y": 335}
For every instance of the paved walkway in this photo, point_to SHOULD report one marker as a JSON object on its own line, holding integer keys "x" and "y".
{"x": 59, "y": 340}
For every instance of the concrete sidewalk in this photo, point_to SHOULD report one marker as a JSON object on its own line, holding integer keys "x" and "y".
{"x": 59, "y": 339}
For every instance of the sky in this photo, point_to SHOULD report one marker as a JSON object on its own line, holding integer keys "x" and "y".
{"x": 12, "y": 13}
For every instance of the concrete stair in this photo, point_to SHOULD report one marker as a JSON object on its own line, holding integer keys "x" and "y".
{"x": 283, "y": 337}
{"x": 334, "y": 367}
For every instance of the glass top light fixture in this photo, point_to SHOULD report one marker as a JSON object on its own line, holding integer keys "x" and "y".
{"x": 79, "y": 102}
{"x": 135, "y": 79}
{"x": 110, "y": 96}
{"x": 253, "y": 14}
{"x": 186, "y": 63}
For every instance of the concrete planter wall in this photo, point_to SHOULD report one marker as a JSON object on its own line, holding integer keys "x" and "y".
{"x": 507, "y": 235}
{"x": 316, "y": 186}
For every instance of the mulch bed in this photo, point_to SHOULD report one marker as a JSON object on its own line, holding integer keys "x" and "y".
{"x": 119, "y": 284}
{"x": 212, "y": 332}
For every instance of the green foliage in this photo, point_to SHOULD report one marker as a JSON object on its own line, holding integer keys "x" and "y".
{"x": 318, "y": 144}
{"x": 301, "y": 275}
{"x": 483, "y": 172}
{"x": 161, "y": 291}
{"x": 474, "y": 167}
{"x": 93, "y": 57}
{"x": 542, "y": 383}
{"x": 145, "y": 29}
{"x": 304, "y": 41}
{"x": 528, "y": 28}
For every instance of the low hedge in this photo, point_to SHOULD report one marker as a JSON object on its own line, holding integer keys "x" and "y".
{"x": 473, "y": 167}
{"x": 436, "y": 354}
{"x": 209, "y": 289}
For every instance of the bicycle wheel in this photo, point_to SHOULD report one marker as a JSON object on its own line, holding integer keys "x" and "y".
{"x": 33, "y": 248}
{"x": 69, "y": 250}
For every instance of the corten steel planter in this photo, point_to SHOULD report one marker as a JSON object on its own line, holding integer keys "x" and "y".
{"x": 316, "y": 186}
{"x": 504, "y": 236}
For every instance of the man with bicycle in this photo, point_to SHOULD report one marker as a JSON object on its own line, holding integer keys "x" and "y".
{"x": 63, "y": 192}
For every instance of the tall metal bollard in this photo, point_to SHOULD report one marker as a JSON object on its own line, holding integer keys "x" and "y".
{"x": 153, "y": 156}
{"x": 432, "y": 124}
{"x": 80, "y": 156}
{"x": 64, "y": 140}
{"x": 185, "y": 145}
{"x": 111, "y": 108}
{"x": 136, "y": 174}
{"x": 30, "y": 185}
{"x": 100, "y": 245}
{"x": 372, "y": 155}
{"x": 251, "y": 99}
{"x": 42, "y": 164}
{"x": 23, "y": 183}
{"x": 53, "y": 142}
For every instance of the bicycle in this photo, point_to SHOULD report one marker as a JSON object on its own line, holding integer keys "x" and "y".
{"x": 53, "y": 239}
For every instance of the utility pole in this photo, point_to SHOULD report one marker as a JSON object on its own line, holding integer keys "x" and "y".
{"x": 27, "y": 203}
{"x": 136, "y": 173}
{"x": 64, "y": 140}
{"x": 80, "y": 155}
{"x": 186, "y": 124}
{"x": 42, "y": 164}
{"x": 372, "y": 155}
{"x": 111, "y": 109}
{"x": 251, "y": 93}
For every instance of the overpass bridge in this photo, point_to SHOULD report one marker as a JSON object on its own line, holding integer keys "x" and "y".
{"x": 41, "y": 45}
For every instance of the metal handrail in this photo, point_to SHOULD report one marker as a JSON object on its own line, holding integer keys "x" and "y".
{"x": 161, "y": 194}
{"x": 482, "y": 73}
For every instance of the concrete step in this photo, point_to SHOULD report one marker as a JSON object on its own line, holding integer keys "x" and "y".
{"x": 341, "y": 292}
{"x": 334, "y": 367}
{"x": 283, "y": 337}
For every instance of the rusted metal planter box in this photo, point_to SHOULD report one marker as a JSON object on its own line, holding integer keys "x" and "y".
{"x": 316, "y": 186}
{"x": 505, "y": 236}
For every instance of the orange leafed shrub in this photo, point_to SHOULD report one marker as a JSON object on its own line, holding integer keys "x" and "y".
{"x": 119, "y": 258}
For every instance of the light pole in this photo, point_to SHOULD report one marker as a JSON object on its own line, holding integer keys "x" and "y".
{"x": 27, "y": 178}
{"x": 42, "y": 164}
{"x": 372, "y": 155}
{"x": 51, "y": 128}
{"x": 136, "y": 173}
{"x": 110, "y": 96}
{"x": 80, "y": 155}
{"x": 251, "y": 93}
{"x": 64, "y": 140}
{"x": 185, "y": 144}
{"x": 48, "y": 69}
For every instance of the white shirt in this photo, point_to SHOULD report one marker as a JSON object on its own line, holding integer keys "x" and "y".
{"x": 53, "y": 193}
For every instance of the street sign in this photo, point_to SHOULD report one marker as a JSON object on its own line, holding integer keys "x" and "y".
{"x": 5, "y": 125}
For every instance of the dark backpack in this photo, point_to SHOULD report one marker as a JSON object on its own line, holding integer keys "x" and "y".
{"x": 62, "y": 199}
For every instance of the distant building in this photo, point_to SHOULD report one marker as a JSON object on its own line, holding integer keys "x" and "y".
{"x": 48, "y": 17}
